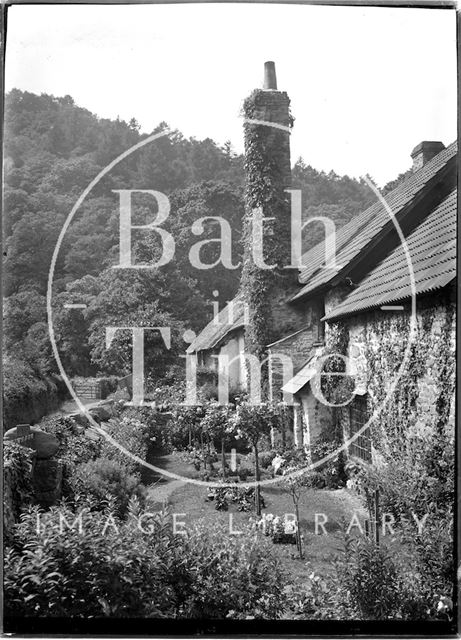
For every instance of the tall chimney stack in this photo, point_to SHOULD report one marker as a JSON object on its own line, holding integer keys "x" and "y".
{"x": 267, "y": 175}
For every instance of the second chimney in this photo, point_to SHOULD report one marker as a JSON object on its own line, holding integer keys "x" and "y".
{"x": 425, "y": 151}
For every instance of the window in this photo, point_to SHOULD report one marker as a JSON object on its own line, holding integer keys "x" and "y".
{"x": 361, "y": 446}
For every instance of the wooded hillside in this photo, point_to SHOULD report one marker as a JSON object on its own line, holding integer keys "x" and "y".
{"x": 53, "y": 150}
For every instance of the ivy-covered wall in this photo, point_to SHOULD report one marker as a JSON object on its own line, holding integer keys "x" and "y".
{"x": 422, "y": 403}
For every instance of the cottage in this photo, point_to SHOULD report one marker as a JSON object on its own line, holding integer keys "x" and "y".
{"x": 387, "y": 309}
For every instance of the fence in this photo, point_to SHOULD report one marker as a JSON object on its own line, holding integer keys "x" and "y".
{"x": 89, "y": 390}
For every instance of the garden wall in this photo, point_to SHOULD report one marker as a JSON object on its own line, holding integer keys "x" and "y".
{"x": 27, "y": 397}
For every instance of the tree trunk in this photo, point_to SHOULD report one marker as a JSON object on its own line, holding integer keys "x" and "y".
{"x": 202, "y": 448}
{"x": 257, "y": 486}
{"x": 298, "y": 532}
{"x": 223, "y": 459}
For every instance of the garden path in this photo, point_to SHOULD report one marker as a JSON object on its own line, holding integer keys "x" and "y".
{"x": 70, "y": 406}
{"x": 161, "y": 491}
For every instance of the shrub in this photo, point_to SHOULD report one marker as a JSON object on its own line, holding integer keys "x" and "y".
{"x": 275, "y": 527}
{"x": 330, "y": 474}
{"x": 265, "y": 458}
{"x": 185, "y": 427}
{"x": 133, "y": 435}
{"x": 75, "y": 448}
{"x": 17, "y": 479}
{"x": 156, "y": 430}
{"x": 430, "y": 556}
{"x": 419, "y": 479}
{"x": 105, "y": 478}
{"x": 63, "y": 428}
{"x": 170, "y": 394}
{"x": 116, "y": 572}
{"x": 124, "y": 571}
{"x": 234, "y": 576}
{"x": 370, "y": 580}
{"x": 370, "y": 583}
{"x": 243, "y": 497}
{"x": 244, "y": 473}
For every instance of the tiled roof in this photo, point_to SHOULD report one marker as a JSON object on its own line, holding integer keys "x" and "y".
{"x": 432, "y": 248}
{"x": 353, "y": 237}
{"x": 230, "y": 318}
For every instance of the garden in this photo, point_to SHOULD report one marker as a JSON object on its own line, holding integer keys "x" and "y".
{"x": 254, "y": 534}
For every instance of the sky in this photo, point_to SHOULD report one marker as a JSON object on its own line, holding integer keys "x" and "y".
{"x": 367, "y": 84}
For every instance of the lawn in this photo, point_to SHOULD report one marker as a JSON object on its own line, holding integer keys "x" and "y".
{"x": 338, "y": 506}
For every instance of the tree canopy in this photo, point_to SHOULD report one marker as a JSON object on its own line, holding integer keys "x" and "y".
{"x": 53, "y": 149}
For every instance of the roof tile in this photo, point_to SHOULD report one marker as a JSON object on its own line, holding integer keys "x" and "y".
{"x": 432, "y": 251}
{"x": 354, "y": 236}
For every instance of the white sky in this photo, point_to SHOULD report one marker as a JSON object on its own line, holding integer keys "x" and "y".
{"x": 366, "y": 84}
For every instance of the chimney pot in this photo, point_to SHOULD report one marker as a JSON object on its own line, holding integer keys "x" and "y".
{"x": 270, "y": 79}
{"x": 425, "y": 151}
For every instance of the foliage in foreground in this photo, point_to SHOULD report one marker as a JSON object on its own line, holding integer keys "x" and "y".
{"x": 113, "y": 568}
{"x": 370, "y": 582}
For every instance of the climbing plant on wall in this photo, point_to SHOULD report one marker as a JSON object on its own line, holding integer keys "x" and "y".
{"x": 336, "y": 386}
{"x": 267, "y": 166}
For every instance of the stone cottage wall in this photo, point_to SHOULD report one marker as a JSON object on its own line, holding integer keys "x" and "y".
{"x": 422, "y": 396}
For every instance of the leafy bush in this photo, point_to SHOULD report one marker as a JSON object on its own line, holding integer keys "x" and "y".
{"x": 234, "y": 576}
{"x": 104, "y": 478}
{"x": 244, "y": 473}
{"x": 156, "y": 425}
{"x": 17, "y": 482}
{"x": 371, "y": 582}
{"x": 266, "y": 458}
{"x": 430, "y": 555}
{"x": 275, "y": 527}
{"x": 185, "y": 428}
{"x": 170, "y": 394}
{"x": 243, "y": 497}
{"x": 133, "y": 435}
{"x": 330, "y": 474}
{"x": 75, "y": 447}
{"x": 121, "y": 570}
{"x": 63, "y": 428}
{"x": 419, "y": 480}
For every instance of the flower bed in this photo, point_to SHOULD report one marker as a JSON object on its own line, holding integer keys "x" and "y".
{"x": 281, "y": 531}
{"x": 244, "y": 498}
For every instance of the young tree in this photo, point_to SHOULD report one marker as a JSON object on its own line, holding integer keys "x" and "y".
{"x": 252, "y": 422}
{"x": 296, "y": 477}
{"x": 217, "y": 425}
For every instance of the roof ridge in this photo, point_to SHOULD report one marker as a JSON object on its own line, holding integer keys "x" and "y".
{"x": 350, "y": 237}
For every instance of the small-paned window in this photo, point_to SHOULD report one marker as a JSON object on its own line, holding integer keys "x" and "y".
{"x": 361, "y": 446}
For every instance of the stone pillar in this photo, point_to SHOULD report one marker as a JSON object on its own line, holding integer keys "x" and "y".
{"x": 46, "y": 470}
{"x": 298, "y": 425}
{"x": 311, "y": 429}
